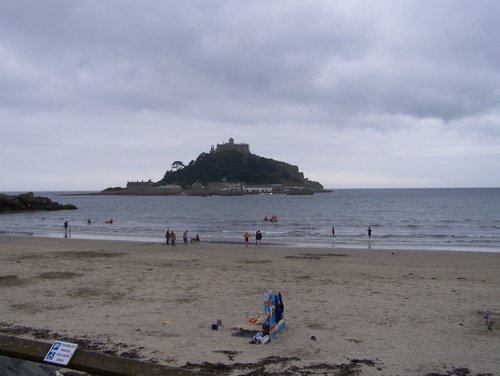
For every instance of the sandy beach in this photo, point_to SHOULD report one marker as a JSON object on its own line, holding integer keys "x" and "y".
{"x": 381, "y": 312}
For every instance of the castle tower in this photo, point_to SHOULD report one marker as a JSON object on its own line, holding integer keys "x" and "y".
{"x": 242, "y": 148}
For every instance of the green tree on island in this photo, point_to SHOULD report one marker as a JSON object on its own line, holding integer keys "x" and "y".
{"x": 177, "y": 165}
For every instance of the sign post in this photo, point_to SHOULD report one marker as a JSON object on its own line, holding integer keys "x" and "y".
{"x": 60, "y": 353}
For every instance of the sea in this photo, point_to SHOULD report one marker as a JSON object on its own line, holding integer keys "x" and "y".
{"x": 429, "y": 219}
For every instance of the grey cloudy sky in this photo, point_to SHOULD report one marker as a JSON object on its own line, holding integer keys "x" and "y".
{"x": 356, "y": 93}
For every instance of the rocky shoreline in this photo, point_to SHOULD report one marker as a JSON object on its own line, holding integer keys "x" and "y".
{"x": 28, "y": 201}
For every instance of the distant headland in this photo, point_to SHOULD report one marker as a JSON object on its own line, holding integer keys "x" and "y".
{"x": 228, "y": 169}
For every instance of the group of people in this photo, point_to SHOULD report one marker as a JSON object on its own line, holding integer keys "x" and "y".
{"x": 369, "y": 231}
{"x": 109, "y": 221}
{"x": 273, "y": 218}
{"x": 171, "y": 238}
{"x": 67, "y": 226}
{"x": 258, "y": 238}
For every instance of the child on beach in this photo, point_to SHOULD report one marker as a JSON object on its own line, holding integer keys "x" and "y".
{"x": 246, "y": 236}
{"x": 173, "y": 238}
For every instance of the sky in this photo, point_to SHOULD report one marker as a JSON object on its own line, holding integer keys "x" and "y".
{"x": 357, "y": 94}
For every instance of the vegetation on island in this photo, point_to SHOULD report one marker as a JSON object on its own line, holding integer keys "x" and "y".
{"x": 234, "y": 166}
{"x": 28, "y": 201}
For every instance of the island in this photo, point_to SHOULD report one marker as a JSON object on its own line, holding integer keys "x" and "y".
{"x": 228, "y": 169}
{"x": 28, "y": 201}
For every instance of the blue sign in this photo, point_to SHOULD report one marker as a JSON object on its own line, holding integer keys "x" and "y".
{"x": 60, "y": 353}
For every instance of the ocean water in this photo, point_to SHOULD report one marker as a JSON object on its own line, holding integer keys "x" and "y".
{"x": 454, "y": 219}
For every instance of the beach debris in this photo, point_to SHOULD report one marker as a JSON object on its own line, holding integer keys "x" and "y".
{"x": 246, "y": 333}
{"x": 316, "y": 256}
{"x": 10, "y": 280}
{"x": 313, "y": 338}
{"x": 488, "y": 321}
{"x": 169, "y": 322}
{"x": 287, "y": 365}
{"x": 455, "y": 372}
{"x": 230, "y": 354}
{"x": 354, "y": 340}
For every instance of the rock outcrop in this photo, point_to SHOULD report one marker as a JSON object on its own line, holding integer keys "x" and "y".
{"x": 28, "y": 201}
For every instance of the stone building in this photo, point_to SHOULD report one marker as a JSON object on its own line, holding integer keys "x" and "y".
{"x": 148, "y": 188}
{"x": 139, "y": 186}
{"x": 242, "y": 148}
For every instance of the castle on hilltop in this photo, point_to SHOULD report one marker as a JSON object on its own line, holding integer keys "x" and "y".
{"x": 228, "y": 170}
{"x": 242, "y": 148}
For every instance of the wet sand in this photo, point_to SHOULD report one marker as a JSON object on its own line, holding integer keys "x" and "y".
{"x": 348, "y": 312}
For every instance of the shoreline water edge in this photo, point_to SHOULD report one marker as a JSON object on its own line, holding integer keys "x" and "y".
{"x": 443, "y": 219}
{"x": 368, "y": 245}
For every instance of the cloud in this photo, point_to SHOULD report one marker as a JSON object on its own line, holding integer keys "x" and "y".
{"x": 131, "y": 87}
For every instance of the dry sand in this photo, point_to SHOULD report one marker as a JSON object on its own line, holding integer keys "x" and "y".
{"x": 371, "y": 312}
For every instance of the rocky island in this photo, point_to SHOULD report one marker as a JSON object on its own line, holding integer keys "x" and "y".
{"x": 28, "y": 201}
{"x": 228, "y": 169}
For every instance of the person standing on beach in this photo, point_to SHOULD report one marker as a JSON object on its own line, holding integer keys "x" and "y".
{"x": 173, "y": 238}
{"x": 185, "y": 237}
{"x": 66, "y": 227}
{"x": 246, "y": 236}
{"x": 258, "y": 238}
{"x": 167, "y": 236}
{"x": 369, "y": 232}
{"x": 333, "y": 230}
